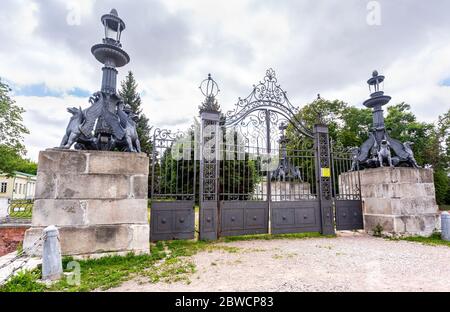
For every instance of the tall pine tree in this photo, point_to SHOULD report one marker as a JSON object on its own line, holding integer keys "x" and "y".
{"x": 131, "y": 97}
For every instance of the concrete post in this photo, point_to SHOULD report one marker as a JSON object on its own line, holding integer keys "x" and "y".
{"x": 445, "y": 219}
{"x": 51, "y": 254}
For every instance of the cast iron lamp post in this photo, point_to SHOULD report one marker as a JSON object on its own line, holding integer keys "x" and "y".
{"x": 380, "y": 149}
{"x": 115, "y": 128}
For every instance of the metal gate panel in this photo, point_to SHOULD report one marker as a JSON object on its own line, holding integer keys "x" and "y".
{"x": 173, "y": 185}
{"x": 349, "y": 215}
{"x": 208, "y": 220}
{"x": 244, "y": 217}
{"x": 172, "y": 220}
{"x": 346, "y": 191}
{"x": 295, "y": 216}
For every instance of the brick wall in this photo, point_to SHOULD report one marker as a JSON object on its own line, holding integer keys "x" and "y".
{"x": 10, "y": 237}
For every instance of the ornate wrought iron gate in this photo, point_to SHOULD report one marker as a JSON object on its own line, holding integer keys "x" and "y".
{"x": 260, "y": 170}
{"x": 261, "y": 180}
{"x": 173, "y": 186}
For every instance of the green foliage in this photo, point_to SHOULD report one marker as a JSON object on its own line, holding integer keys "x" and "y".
{"x": 274, "y": 236}
{"x": 378, "y": 230}
{"x": 12, "y": 129}
{"x": 168, "y": 262}
{"x": 403, "y": 125}
{"x": 130, "y": 95}
{"x": 442, "y": 186}
{"x": 349, "y": 127}
{"x": 11, "y": 160}
{"x": 24, "y": 281}
{"x": 434, "y": 240}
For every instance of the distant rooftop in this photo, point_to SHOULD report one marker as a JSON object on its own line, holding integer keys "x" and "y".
{"x": 18, "y": 173}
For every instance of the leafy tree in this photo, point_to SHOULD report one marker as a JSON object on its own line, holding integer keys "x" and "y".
{"x": 129, "y": 93}
{"x": 402, "y": 125}
{"x": 349, "y": 126}
{"x": 11, "y": 160}
{"x": 12, "y": 129}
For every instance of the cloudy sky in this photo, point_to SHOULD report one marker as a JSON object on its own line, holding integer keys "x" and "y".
{"x": 315, "y": 46}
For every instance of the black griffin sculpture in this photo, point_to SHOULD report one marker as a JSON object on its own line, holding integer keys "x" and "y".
{"x": 380, "y": 149}
{"x": 108, "y": 123}
{"x": 285, "y": 170}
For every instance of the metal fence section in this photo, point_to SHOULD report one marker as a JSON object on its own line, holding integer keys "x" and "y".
{"x": 295, "y": 205}
{"x": 244, "y": 187}
{"x": 346, "y": 190}
{"x": 19, "y": 211}
{"x": 173, "y": 185}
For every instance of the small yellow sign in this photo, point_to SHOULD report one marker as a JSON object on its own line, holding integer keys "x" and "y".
{"x": 326, "y": 173}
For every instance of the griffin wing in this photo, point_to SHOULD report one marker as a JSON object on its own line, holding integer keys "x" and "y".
{"x": 90, "y": 116}
{"x": 114, "y": 122}
{"x": 398, "y": 148}
{"x": 365, "y": 148}
{"x": 123, "y": 118}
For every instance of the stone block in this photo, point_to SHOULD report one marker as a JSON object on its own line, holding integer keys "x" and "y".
{"x": 96, "y": 239}
{"x": 45, "y": 185}
{"x": 92, "y": 186}
{"x": 58, "y": 212}
{"x": 397, "y": 190}
{"x": 139, "y": 186}
{"x": 57, "y": 160}
{"x": 93, "y": 162}
{"x": 133, "y": 164}
{"x": 394, "y": 175}
{"x": 64, "y": 212}
{"x": 401, "y": 200}
{"x": 377, "y": 205}
{"x": 98, "y": 201}
{"x": 131, "y": 211}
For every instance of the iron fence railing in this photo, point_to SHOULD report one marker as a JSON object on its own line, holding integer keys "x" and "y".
{"x": 19, "y": 211}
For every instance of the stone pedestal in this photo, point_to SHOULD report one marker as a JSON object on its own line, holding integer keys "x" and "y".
{"x": 98, "y": 201}
{"x": 284, "y": 190}
{"x": 400, "y": 201}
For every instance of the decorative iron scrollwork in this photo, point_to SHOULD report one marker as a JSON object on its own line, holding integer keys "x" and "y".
{"x": 267, "y": 95}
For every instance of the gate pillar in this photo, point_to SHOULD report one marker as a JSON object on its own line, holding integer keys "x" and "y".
{"x": 209, "y": 175}
{"x": 323, "y": 170}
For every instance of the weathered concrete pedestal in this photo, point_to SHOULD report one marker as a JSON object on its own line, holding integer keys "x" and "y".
{"x": 400, "y": 201}
{"x": 284, "y": 190}
{"x": 98, "y": 201}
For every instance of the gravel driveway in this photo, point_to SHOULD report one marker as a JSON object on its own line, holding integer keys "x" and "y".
{"x": 350, "y": 262}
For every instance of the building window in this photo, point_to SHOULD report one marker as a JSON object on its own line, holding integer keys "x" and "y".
{"x": 3, "y": 187}
{"x": 20, "y": 188}
{"x": 16, "y": 189}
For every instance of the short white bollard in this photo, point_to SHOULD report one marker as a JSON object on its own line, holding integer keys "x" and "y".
{"x": 445, "y": 219}
{"x": 51, "y": 254}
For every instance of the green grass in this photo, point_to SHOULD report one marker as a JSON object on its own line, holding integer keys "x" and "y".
{"x": 274, "y": 236}
{"x": 434, "y": 240}
{"x": 168, "y": 262}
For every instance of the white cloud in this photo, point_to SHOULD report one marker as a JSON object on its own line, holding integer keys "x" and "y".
{"x": 314, "y": 46}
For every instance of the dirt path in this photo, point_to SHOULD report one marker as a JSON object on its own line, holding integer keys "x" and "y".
{"x": 348, "y": 263}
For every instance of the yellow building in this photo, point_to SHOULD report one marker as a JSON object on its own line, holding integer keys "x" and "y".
{"x": 19, "y": 186}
